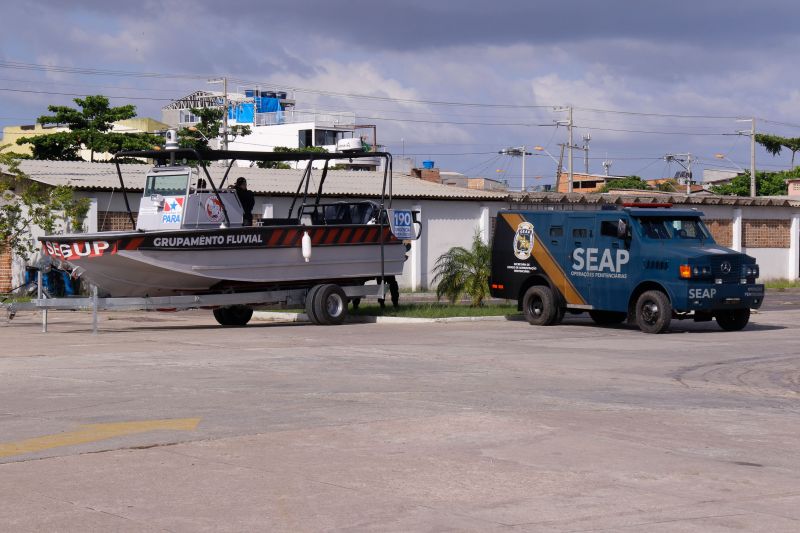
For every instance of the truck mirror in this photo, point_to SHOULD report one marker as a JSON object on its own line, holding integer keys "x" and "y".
{"x": 622, "y": 229}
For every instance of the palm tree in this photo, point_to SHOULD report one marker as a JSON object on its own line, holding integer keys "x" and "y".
{"x": 461, "y": 271}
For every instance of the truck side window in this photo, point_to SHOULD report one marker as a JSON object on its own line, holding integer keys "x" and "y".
{"x": 556, "y": 231}
{"x": 608, "y": 228}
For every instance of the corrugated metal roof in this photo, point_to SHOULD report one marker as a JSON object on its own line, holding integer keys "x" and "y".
{"x": 103, "y": 176}
{"x": 650, "y": 197}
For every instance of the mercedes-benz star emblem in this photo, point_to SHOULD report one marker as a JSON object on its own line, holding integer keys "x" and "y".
{"x": 725, "y": 267}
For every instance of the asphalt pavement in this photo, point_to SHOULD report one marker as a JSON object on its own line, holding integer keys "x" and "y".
{"x": 168, "y": 422}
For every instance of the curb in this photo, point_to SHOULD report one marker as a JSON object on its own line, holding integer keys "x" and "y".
{"x": 278, "y": 316}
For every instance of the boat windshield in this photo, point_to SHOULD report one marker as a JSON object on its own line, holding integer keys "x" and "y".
{"x": 674, "y": 228}
{"x": 166, "y": 184}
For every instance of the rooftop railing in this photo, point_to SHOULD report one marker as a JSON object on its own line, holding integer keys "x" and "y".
{"x": 294, "y": 116}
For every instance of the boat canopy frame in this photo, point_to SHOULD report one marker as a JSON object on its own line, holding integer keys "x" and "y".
{"x": 231, "y": 156}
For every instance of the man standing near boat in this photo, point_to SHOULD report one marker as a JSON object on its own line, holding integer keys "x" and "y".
{"x": 247, "y": 199}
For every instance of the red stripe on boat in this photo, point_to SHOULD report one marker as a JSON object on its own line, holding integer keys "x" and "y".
{"x": 358, "y": 235}
{"x": 132, "y": 244}
{"x": 290, "y": 237}
{"x": 275, "y": 237}
{"x": 331, "y": 235}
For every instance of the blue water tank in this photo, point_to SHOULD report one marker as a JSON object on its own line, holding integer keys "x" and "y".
{"x": 249, "y": 93}
{"x": 427, "y": 165}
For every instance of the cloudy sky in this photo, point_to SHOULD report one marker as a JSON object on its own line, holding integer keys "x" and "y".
{"x": 454, "y": 82}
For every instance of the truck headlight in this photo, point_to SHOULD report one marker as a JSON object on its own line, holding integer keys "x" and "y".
{"x": 750, "y": 271}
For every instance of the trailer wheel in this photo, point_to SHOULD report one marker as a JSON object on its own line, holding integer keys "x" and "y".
{"x": 330, "y": 305}
{"x": 733, "y": 319}
{"x": 233, "y": 315}
{"x": 310, "y": 296}
{"x": 608, "y": 318}
{"x": 653, "y": 312}
{"x": 539, "y": 307}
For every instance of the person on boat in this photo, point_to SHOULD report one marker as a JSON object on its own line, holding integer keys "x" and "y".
{"x": 247, "y": 199}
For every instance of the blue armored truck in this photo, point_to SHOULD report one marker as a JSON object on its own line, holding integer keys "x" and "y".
{"x": 649, "y": 263}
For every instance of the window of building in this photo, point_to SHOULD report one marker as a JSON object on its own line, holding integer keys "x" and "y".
{"x": 187, "y": 117}
{"x": 304, "y": 139}
{"x": 327, "y": 137}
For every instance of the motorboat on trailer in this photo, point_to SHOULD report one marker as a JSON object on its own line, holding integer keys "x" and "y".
{"x": 189, "y": 237}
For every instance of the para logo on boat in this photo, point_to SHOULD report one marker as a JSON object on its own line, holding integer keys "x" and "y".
{"x": 80, "y": 249}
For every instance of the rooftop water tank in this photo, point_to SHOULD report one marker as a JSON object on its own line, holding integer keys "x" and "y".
{"x": 268, "y": 94}
{"x": 427, "y": 165}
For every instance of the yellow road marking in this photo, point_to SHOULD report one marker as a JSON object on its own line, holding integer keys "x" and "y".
{"x": 93, "y": 433}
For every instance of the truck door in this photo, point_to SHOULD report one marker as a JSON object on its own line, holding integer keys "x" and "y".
{"x": 612, "y": 281}
{"x": 579, "y": 243}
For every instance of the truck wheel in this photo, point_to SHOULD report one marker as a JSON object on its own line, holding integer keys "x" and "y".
{"x": 312, "y": 316}
{"x": 330, "y": 305}
{"x": 653, "y": 312}
{"x": 233, "y": 315}
{"x": 608, "y": 318}
{"x": 539, "y": 306}
{"x": 733, "y": 320}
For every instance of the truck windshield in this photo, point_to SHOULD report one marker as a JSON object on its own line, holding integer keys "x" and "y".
{"x": 674, "y": 228}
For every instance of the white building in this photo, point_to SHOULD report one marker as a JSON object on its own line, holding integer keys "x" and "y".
{"x": 275, "y": 121}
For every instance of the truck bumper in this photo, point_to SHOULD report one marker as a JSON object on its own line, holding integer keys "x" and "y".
{"x": 714, "y": 297}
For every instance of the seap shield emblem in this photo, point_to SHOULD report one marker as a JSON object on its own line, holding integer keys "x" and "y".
{"x": 523, "y": 240}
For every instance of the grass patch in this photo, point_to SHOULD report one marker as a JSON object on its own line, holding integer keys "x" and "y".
{"x": 435, "y": 310}
{"x": 782, "y": 284}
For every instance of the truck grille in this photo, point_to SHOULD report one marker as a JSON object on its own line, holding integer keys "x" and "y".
{"x": 728, "y": 267}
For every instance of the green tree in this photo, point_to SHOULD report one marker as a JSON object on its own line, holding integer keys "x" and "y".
{"x": 775, "y": 143}
{"x": 670, "y": 185}
{"x": 89, "y": 128}
{"x": 460, "y": 271}
{"x": 59, "y": 146}
{"x": 199, "y": 135}
{"x": 24, "y": 204}
{"x": 629, "y": 182}
{"x": 767, "y": 184}
{"x": 284, "y": 149}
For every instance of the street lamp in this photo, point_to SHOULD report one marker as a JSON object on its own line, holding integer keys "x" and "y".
{"x": 517, "y": 151}
{"x": 556, "y": 161}
{"x": 723, "y": 156}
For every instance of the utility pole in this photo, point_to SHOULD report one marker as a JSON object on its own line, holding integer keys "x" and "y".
{"x": 752, "y": 134}
{"x": 586, "y": 138}
{"x": 607, "y": 164}
{"x": 681, "y": 159}
{"x": 569, "y": 160}
{"x": 224, "y": 131}
{"x": 568, "y": 124}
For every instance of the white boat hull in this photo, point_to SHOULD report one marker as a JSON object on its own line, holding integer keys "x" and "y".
{"x": 187, "y": 262}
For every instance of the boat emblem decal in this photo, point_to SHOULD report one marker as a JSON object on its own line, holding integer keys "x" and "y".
{"x": 523, "y": 240}
{"x": 173, "y": 204}
{"x": 214, "y": 209}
